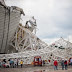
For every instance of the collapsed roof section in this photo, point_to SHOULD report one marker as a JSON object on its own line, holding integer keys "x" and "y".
{"x": 62, "y": 44}
{"x": 46, "y": 53}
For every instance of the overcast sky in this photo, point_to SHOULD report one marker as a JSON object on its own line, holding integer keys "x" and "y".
{"x": 54, "y": 17}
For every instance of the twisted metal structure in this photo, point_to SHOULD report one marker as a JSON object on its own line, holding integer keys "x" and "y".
{"x": 28, "y": 45}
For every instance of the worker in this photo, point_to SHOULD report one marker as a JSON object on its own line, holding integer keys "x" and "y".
{"x": 62, "y": 64}
{"x": 71, "y": 61}
{"x": 21, "y": 63}
{"x": 55, "y": 64}
{"x": 43, "y": 62}
{"x": 65, "y": 63}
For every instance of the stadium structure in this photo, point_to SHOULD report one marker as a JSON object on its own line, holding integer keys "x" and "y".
{"x": 20, "y": 41}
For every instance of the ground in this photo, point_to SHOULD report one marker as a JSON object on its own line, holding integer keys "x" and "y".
{"x": 35, "y": 69}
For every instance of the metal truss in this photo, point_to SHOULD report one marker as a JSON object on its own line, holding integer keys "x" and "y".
{"x": 47, "y": 53}
{"x": 29, "y": 45}
{"x": 25, "y": 38}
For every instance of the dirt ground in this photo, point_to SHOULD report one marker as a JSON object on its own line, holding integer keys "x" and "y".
{"x": 35, "y": 69}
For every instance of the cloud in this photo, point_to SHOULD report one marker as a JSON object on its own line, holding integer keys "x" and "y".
{"x": 53, "y": 35}
{"x": 54, "y": 17}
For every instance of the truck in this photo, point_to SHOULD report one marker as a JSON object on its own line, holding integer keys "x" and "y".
{"x": 37, "y": 61}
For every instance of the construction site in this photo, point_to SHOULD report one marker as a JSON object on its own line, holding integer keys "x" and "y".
{"x": 19, "y": 41}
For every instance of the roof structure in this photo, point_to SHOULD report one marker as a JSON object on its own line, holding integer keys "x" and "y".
{"x": 60, "y": 49}
{"x": 28, "y": 45}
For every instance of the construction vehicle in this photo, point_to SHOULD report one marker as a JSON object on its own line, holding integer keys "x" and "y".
{"x": 37, "y": 61}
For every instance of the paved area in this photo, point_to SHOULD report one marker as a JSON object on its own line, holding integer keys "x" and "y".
{"x": 35, "y": 69}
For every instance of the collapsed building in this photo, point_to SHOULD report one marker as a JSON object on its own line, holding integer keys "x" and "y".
{"x": 20, "y": 41}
